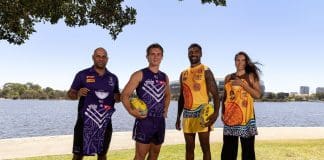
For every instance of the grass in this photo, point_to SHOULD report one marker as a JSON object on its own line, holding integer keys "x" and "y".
{"x": 265, "y": 150}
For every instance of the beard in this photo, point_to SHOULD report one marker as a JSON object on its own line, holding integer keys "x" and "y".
{"x": 100, "y": 66}
{"x": 194, "y": 60}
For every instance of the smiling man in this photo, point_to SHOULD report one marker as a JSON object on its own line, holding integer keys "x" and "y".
{"x": 152, "y": 87}
{"x": 196, "y": 83}
{"x": 97, "y": 90}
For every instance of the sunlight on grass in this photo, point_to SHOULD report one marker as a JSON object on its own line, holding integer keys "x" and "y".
{"x": 265, "y": 150}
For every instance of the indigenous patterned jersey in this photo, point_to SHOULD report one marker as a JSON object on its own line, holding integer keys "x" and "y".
{"x": 238, "y": 114}
{"x": 152, "y": 91}
{"x": 195, "y": 96}
{"x": 94, "y": 110}
{"x": 194, "y": 87}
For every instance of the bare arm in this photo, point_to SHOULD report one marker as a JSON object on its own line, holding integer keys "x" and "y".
{"x": 117, "y": 97}
{"x": 212, "y": 88}
{"x": 127, "y": 92}
{"x": 180, "y": 106}
{"x": 167, "y": 98}
{"x": 74, "y": 94}
{"x": 254, "y": 88}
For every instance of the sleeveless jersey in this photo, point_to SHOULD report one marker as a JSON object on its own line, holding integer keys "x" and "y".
{"x": 195, "y": 95}
{"x": 238, "y": 114}
{"x": 152, "y": 91}
{"x": 194, "y": 87}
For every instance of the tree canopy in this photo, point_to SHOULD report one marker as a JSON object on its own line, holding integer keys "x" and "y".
{"x": 18, "y": 17}
{"x": 30, "y": 91}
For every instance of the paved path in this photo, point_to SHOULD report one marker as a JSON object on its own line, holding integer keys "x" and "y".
{"x": 57, "y": 145}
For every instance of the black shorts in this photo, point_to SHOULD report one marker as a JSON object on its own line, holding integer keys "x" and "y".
{"x": 78, "y": 138}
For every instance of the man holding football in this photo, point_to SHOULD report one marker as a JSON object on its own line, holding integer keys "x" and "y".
{"x": 152, "y": 87}
{"x": 196, "y": 83}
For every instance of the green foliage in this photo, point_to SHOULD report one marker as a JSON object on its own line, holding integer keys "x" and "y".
{"x": 216, "y": 2}
{"x": 29, "y": 91}
{"x": 18, "y": 17}
{"x": 320, "y": 96}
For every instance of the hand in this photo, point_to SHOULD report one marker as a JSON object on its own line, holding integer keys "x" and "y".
{"x": 117, "y": 97}
{"x": 211, "y": 119}
{"x": 178, "y": 124}
{"x": 83, "y": 92}
{"x": 237, "y": 82}
{"x": 137, "y": 114}
{"x": 165, "y": 113}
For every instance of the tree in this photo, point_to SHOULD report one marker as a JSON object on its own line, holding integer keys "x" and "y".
{"x": 18, "y": 17}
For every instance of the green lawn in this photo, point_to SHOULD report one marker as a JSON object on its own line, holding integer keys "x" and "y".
{"x": 265, "y": 150}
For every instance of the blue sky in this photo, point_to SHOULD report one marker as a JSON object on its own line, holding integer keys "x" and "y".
{"x": 285, "y": 36}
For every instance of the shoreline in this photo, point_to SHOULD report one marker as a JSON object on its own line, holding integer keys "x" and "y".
{"x": 62, "y": 144}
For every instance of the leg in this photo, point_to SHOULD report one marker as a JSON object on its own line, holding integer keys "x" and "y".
{"x": 230, "y": 147}
{"x": 108, "y": 134}
{"x": 102, "y": 157}
{"x": 154, "y": 151}
{"x": 190, "y": 145}
{"x": 247, "y": 145}
{"x": 141, "y": 150}
{"x": 204, "y": 144}
{"x": 77, "y": 157}
{"x": 157, "y": 139}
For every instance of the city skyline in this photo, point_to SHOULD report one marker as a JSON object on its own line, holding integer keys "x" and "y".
{"x": 285, "y": 37}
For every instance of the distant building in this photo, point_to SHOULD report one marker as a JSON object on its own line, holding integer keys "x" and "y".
{"x": 304, "y": 90}
{"x": 293, "y": 93}
{"x": 319, "y": 90}
{"x": 282, "y": 95}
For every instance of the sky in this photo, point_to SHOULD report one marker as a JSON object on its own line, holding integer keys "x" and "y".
{"x": 287, "y": 37}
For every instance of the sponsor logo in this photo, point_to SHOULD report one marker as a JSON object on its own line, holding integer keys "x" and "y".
{"x": 90, "y": 80}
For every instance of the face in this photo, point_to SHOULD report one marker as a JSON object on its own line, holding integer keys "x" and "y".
{"x": 194, "y": 55}
{"x": 100, "y": 58}
{"x": 154, "y": 57}
{"x": 240, "y": 62}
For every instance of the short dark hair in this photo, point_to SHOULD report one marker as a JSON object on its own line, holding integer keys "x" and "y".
{"x": 154, "y": 45}
{"x": 195, "y": 45}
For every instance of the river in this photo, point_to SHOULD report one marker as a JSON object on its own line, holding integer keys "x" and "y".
{"x": 27, "y": 118}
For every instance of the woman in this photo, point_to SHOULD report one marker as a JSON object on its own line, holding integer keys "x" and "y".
{"x": 240, "y": 90}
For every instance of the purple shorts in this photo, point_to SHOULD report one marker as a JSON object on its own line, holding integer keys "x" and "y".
{"x": 149, "y": 130}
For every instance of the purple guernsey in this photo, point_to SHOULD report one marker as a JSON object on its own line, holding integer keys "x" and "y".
{"x": 93, "y": 128}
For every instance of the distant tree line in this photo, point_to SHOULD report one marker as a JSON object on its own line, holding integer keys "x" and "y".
{"x": 283, "y": 97}
{"x": 30, "y": 91}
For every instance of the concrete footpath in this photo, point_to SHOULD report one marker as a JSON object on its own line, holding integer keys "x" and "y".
{"x": 58, "y": 145}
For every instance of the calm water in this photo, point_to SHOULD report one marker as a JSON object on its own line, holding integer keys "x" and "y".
{"x": 26, "y": 118}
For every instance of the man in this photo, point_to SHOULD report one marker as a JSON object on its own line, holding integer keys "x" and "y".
{"x": 195, "y": 85}
{"x": 97, "y": 90}
{"x": 152, "y": 87}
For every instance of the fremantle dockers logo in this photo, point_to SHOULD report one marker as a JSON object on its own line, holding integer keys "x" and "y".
{"x": 98, "y": 113}
{"x": 102, "y": 94}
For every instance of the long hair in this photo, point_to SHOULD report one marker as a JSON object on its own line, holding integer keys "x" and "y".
{"x": 251, "y": 67}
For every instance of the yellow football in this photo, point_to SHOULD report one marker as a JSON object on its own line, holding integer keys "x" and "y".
{"x": 205, "y": 112}
{"x": 139, "y": 105}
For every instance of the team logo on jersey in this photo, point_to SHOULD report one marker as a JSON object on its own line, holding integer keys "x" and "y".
{"x": 102, "y": 94}
{"x": 111, "y": 81}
